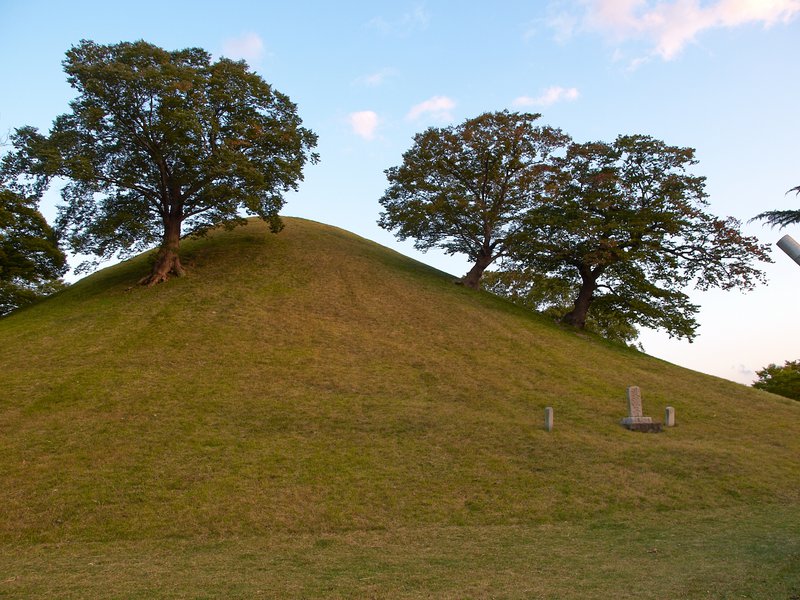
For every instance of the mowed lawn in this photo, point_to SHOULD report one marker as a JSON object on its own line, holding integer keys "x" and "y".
{"x": 697, "y": 554}
{"x": 309, "y": 414}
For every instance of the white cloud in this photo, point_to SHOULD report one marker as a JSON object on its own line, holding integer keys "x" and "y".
{"x": 417, "y": 19}
{"x": 560, "y": 19}
{"x": 248, "y": 46}
{"x": 380, "y": 24}
{"x": 438, "y": 107}
{"x": 364, "y": 123}
{"x": 638, "y": 62}
{"x": 549, "y": 97}
{"x": 377, "y": 78}
{"x": 563, "y": 25}
{"x": 669, "y": 25}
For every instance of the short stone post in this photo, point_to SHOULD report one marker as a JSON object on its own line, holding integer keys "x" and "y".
{"x": 669, "y": 417}
{"x": 548, "y": 418}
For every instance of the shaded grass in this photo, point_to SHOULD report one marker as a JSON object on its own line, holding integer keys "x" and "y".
{"x": 712, "y": 554}
{"x": 313, "y": 385}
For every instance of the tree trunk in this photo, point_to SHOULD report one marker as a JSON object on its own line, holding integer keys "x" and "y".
{"x": 577, "y": 316}
{"x": 472, "y": 279}
{"x": 167, "y": 260}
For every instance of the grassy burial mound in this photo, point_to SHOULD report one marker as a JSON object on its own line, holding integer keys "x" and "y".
{"x": 310, "y": 414}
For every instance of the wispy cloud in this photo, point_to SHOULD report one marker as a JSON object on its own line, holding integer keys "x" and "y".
{"x": 550, "y": 96}
{"x": 364, "y": 123}
{"x": 377, "y": 78}
{"x": 562, "y": 24}
{"x": 416, "y": 19}
{"x": 248, "y": 46}
{"x": 438, "y": 107}
{"x": 744, "y": 372}
{"x": 667, "y": 26}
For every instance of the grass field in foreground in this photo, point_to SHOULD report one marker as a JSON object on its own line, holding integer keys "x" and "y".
{"x": 310, "y": 414}
{"x": 706, "y": 554}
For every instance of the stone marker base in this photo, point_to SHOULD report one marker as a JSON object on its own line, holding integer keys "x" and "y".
{"x": 650, "y": 427}
{"x": 629, "y": 420}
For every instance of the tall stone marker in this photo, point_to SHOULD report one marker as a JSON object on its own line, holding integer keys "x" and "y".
{"x": 548, "y": 418}
{"x": 669, "y": 417}
{"x": 636, "y": 421}
{"x": 635, "y": 407}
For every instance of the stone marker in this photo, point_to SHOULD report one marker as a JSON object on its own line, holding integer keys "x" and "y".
{"x": 669, "y": 417}
{"x": 635, "y": 407}
{"x": 548, "y": 418}
{"x": 636, "y": 421}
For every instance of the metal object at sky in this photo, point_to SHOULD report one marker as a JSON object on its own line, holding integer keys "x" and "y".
{"x": 788, "y": 244}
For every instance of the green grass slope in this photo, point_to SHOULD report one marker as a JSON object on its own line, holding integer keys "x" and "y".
{"x": 310, "y": 414}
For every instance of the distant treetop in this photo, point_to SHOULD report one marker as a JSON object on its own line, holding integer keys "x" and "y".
{"x": 782, "y": 380}
{"x": 31, "y": 262}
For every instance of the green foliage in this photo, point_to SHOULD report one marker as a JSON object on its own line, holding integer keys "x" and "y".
{"x": 784, "y": 380}
{"x": 159, "y": 142}
{"x": 465, "y": 188}
{"x": 31, "y": 262}
{"x": 623, "y": 224}
{"x": 554, "y": 297}
{"x": 780, "y": 218}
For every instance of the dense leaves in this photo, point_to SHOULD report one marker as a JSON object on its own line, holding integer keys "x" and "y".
{"x": 622, "y": 228}
{"x": 30, "y": 259}
{"x": 782, "y": 380}
{"x": 555, "y": 297}
{"x": 465, "y": 188}
{"x": 159, "y": 144}
{"x": 780, "y": 218}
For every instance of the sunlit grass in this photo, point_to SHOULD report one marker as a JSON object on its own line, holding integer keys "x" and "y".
{"x": 315, "y": 408}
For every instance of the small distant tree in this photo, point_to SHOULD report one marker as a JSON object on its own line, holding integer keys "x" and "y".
{"x": 465, "y": 188}
{"x": 782, "y": 380}
{"x": 159, "y": 144}
{"x": 31, "y": 262}
{"x": 623, "y": 226}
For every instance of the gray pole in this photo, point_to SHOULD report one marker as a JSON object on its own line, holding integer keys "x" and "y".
{"x": 791, "y": 247}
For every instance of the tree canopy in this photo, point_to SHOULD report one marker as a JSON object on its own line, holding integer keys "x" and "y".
{"x": 465, "y": 188}
{"x": 31, "y": 262}
{"x": 782, "y": 380}
{"x": 159, "y": 144}
{"x": 555, "y": 297}
{"x": 622, "y": 227}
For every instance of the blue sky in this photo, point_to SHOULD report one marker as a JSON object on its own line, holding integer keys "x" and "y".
{"x": 721, "y": 76}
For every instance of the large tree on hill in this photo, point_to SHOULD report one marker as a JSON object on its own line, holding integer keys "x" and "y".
{"x": 623, "y": 225}
{"x": 465, "y": 188}
{"x": 31, "y": 262}
{"x": 159, "y": 144}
